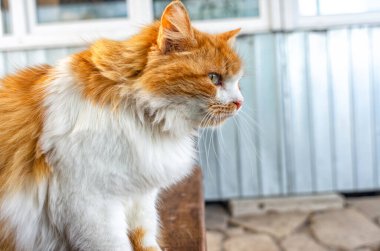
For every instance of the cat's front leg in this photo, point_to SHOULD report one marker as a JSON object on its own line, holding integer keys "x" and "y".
{"x": 143, "y": 222}
{"x": 92, "y": 223}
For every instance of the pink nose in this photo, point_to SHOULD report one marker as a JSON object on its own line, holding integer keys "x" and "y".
{"x": 238, "y": 104}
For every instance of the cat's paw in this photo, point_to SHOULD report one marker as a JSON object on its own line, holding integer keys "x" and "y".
{"x": 140, "y": 242}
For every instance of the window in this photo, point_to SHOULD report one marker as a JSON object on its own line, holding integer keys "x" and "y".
{"x": 49, "y": 11}
{"x": 88, "y": 19}
{"x": 5, "y": 19}
{"x": 26, "y": 24}
{"x": 214, "y": 9}
{"x": 337, "y": 7}
{"x": 323, "y": 14}
{"x": 221, "y": 15}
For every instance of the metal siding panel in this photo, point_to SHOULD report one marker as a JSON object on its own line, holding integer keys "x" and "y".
{"x": 267, "y": 114}
{"x": 227, "y": 145}
{"x": 319, "y": 101}
{"x": 285, "y": 115}
{"x": 300, "y": 117}
{"x": 376, "y": 98}
{"x": 247, "y": 124}
{"x": 361, "y": 93}
{"x": 15, "y": 60}
{"x": 36, "y": 57}
{"x": 339, "y": 61}
{"x": 2, "y": 64}
{"x": 55, "y": 55}
{"x": 73, "y": 50}
{"x": 280, "y": 126}
{"x": 208, "y": 159}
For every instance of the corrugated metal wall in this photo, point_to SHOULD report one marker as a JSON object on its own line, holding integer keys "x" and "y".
{"x": 311, "y": 120}
{"x": 311, "y": 123}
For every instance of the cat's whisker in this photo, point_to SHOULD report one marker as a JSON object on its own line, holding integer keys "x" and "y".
{"x": 250, "y": 119}
{"x": 211, "y": 133}
{"x": 245, "y": 136}
{"x": 256, "y": 140}
{"x": 207, "y": 118}
{"x": 222, "y": 142}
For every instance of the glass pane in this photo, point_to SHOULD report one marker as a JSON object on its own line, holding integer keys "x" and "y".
{"x": 73, "y": 10}
{"x": 308, "y": 7}
{"x": 213, "y": 9}
{"x": 5, "y": 16}
{"x": 336, "y": 7}
{"x": 329, "y": 7}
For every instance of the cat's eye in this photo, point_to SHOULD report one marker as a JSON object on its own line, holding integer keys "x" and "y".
{"x": 215, "y": 78}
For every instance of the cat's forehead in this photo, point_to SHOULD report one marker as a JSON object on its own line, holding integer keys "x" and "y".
{"x": 236, "y": 77}
{"x": 219, "y": 56}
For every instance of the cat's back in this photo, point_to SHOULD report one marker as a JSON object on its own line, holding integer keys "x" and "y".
{"x": 21, "y": 116}
{"x": 24, "y": 80}
{"x": 21, "y": 161}
{"x": 21, "y": 92}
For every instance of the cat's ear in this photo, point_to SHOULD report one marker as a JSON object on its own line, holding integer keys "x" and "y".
{"x": 176, "y": 33}
{"x": 230, "y": 36}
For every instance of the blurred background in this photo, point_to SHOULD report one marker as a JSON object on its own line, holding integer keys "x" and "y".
{"x": 311, "y": 123}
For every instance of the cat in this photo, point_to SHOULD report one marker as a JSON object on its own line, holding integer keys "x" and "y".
{"x": 86, "y": 145}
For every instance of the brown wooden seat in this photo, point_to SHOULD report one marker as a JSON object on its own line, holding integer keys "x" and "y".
{"x": 182, "y": 215}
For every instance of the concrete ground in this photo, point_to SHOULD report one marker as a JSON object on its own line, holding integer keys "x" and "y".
{"x": 353, "y": 226}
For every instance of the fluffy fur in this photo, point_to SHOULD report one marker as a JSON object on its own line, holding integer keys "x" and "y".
{"x": 85, "y": 146}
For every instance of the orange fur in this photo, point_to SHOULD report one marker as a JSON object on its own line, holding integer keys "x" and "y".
{"x": 22, "y": 165}
{"x": 136, "y": 236}
{"x": 108, "y": 67}
{"x": 21, "y": 115}
{"x": 111, "y": 69}
{"x": 7, "y": 240}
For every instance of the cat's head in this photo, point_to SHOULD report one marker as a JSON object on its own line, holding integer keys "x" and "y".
{"x": 196, "y": 71}
{"x": 177, "y": 72}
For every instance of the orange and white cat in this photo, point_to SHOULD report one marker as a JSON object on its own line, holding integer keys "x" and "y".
{"x": 86, "y": 145}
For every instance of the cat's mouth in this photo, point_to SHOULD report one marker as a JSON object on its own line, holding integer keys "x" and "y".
{"x": 212, "y": 120}
{"x": 218, "y": 113}
{"x": 217, "y": 120}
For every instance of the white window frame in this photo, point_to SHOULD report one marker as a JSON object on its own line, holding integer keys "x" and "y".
{"x": 274, "y": 15}
{"x": 1, "y": 23}
{"x": 294, "y": 21}
{"x": 29, "y": 34}
{"x": 135, "y": 15}
{"x": 248, "y": 25}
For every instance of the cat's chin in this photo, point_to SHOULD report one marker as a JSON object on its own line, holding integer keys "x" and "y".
{"x": 215, "y": 122}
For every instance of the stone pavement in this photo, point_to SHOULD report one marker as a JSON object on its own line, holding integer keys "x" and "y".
{"x": 352, "y": 227}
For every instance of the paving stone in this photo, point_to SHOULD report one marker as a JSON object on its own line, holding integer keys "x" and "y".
{"x": 250, "y": 242}
{"x": 247, "y": 207}
{"x": 377, "y": 220}
{"x": 369, "y": 206}
{"x": 216, "y": 218}
{"x": 277, "y": 225}
{"x": 234, "y": 231}
{"x": 345, "y": 229}
{"x": 301, "y": 242}
{"x": 214, "y": 241}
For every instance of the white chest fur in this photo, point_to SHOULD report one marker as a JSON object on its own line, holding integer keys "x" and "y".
{"x": 97, "y": 147}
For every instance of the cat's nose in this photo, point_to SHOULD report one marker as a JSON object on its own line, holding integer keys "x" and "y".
{"x": 238, "y": 104}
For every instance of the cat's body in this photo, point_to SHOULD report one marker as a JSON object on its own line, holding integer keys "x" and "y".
{"x": 86, "y": 146}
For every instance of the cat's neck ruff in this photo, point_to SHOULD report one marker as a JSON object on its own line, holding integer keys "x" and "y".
{"x": 94, "y": 141}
